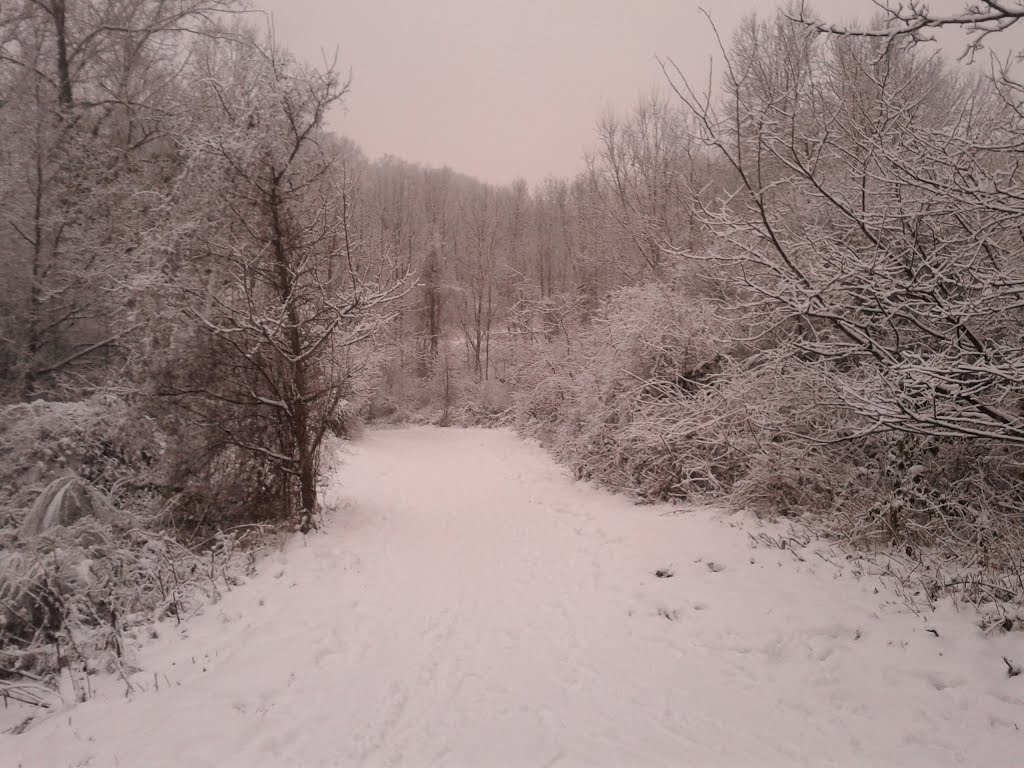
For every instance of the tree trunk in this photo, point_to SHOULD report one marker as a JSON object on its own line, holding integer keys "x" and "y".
{"x": 298, "y": 414}
{"x": 59, "y": 12}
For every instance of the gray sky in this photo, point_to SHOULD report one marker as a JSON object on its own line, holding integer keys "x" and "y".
{"x": 500, "y": 89}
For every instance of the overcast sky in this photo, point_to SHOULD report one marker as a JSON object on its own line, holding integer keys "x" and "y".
{"x": 501, "y": 89}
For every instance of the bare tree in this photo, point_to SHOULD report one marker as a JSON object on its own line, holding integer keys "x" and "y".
{"x": 91, "y": 89}
{"x": 916, "y": 20}
{"x": 645, "y": 176}
{"x": 476, "y": 274}
{"x": 281, "y": 291}
{"x": 878, "y": 215}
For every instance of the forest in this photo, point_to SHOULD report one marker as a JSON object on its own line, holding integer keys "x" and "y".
{"x": 798, "y": 290}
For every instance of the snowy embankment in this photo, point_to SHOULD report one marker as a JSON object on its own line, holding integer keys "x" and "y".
{"x": 470, "y": 605}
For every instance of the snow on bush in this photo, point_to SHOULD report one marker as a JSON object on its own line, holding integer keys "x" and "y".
{"x": 98, "y": 440}
{"x": 442, "y": 391}
{"x": 622, "y": 399}
{"x": 88, "y": 553}
{"x": 660, "y": 396}
{"x": 73, "y": 599}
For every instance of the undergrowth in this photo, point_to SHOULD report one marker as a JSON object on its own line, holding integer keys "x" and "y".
{"x": 664, "y": 396}
{"x": 76, "y": 597}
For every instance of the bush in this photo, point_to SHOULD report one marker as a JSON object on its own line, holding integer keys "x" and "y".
{"x": 444, "y": 392}
{"x": 656, "y": 397}
{"x": 91, "y": 539}
{"x": 623, "y": 399}
{"x": 100, "y": 440}
{"x": 73, "y": 596}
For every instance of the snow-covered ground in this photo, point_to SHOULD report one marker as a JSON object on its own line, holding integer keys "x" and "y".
{"x": 471, "y": 605}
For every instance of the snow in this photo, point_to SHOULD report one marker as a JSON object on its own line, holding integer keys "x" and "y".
{"x": 469, "y": 604}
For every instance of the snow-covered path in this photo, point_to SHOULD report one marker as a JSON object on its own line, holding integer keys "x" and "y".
{"x": 470, "y": 605}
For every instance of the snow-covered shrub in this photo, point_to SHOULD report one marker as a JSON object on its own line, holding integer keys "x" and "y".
{"x": 446, "y": 392}
{"x": 482, "y": 402}
{"x": 950, "y": 498}
{"x": 74, "y": 594}
{"x": 950, "y": 506}
{"x": 102, "y": 440}
{"x": 655, "y": 396}
{"x": 345, "y": 422}
{"x": 90, "y": 542}
{"x": 625, "y": 398}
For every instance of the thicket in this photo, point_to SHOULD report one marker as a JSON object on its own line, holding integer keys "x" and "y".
{"x": 182, "y": 327}
{"x": 844, "y": 348}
